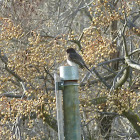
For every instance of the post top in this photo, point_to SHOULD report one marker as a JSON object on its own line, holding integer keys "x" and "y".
{"x": 69, "y": 73}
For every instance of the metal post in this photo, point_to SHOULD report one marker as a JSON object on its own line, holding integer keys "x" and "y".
{"x": 58, "y": 96}
{"x": 72, "y": 130}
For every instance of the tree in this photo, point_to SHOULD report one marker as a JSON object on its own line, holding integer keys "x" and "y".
{"x": 33, "y": 38}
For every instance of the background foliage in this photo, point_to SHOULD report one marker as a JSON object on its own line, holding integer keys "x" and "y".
{"x": 34, "y": 36}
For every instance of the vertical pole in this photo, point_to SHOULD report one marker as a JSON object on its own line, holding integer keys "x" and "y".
{"x": 72, "y": 130}
{"x": 58, "y": 96}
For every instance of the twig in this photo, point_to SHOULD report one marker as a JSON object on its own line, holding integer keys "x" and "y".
{"x": 24, "y": 90}
{"x": 115, "y": 79}
{"x": 137, "y": 50}
{"x": 101, "y": 79}
{"x": 132, "y": 65}
{"x": 100, "y": 64}
{"x": 12, "y": 95}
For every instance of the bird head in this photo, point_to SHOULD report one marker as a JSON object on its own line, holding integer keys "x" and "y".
{"x": 71, "y": 50}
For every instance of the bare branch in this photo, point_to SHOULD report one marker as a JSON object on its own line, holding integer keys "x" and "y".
{"x": 12, "y": 95}
{"x": 132, "y": 65}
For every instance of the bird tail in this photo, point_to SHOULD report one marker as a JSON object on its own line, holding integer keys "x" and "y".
{"x": 88, "y": 69}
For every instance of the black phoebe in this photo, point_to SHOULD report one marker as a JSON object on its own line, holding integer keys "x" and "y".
{"x": 74, "y": 59}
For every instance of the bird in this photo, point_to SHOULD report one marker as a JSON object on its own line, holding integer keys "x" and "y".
{"x": 74, "y": 59}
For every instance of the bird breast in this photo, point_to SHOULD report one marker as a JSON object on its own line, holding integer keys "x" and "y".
{"x": 71, "y": 63}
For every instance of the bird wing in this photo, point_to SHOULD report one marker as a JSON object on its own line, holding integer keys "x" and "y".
{"x": 76, "y": 58}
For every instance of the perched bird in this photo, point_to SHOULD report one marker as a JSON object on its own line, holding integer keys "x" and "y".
{"x": 74, "y": 59}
